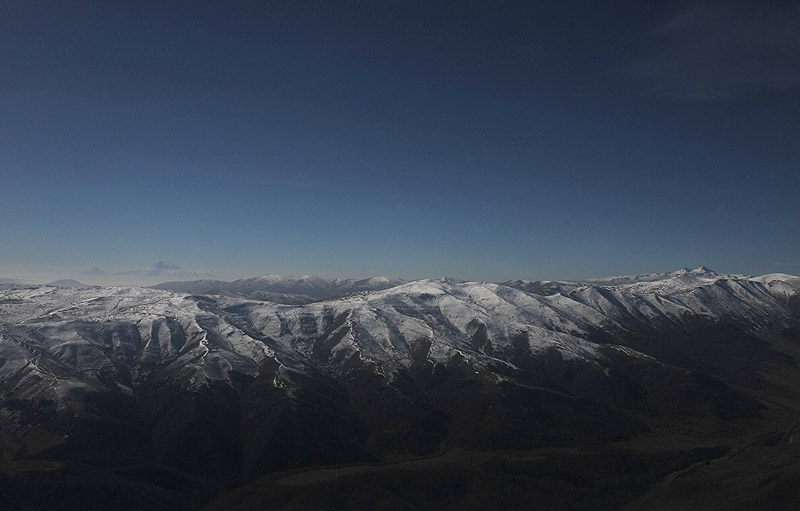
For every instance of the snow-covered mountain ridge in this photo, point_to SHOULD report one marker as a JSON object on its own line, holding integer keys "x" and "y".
{"x": 156, "y": 272}
{"x": 61, "y": 341}
{"x": 286, "y": 289}
{"x": 217, "y": 389}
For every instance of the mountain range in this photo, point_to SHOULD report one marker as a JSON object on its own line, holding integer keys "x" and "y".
{"x": 158, "y": 270}
{"x": 432, "y": 394}
{"x": 282, "y": 289}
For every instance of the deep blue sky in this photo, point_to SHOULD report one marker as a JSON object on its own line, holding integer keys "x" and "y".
{"x": 483, "y": 140}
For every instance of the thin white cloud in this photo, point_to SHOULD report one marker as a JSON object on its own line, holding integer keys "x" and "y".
{"x": 718, "y": 50}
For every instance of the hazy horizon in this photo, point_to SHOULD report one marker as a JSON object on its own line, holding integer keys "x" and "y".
{"x": 129, "y": 277}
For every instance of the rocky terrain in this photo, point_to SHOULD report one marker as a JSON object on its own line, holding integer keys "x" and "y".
{"x": 422, "y": 395}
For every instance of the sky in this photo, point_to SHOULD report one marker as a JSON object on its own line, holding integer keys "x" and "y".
{"x": 475, "y": 139}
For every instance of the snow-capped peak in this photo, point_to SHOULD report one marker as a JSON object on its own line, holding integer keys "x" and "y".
{"x": 161, "y": 268}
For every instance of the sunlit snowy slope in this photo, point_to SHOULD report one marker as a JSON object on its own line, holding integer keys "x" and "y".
{"x": 60, "y": 343}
